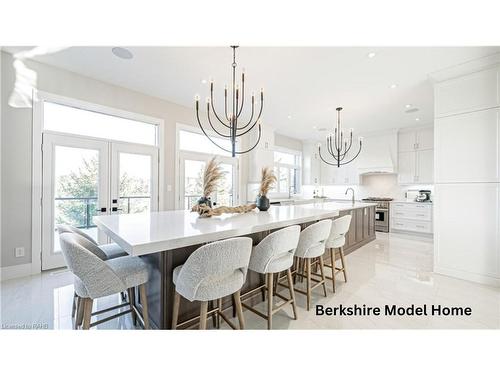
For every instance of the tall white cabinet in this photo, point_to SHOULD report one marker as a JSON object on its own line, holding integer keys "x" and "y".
{"x": 467, "y": 183}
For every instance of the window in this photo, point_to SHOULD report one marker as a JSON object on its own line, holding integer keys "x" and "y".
{"x": 66, "y": 119}
{"x": 195, "y": 150}
{"x": 191, "y": 141}
{"x": 287, "y": 168}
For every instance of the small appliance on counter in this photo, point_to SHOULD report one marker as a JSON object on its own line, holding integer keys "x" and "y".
{"x": 423, "y": 196}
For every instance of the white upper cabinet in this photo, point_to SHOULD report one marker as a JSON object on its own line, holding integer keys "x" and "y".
{"x": 425, "y": 166}
{"x": 329, "y": 174}
{"x": 416, "y": 156}
{"x": 407, "y": 170}
{"x": 425, "y": 138}
{"x": 468, "y": 147}
{"x": 468, "y": 93}
{"x": 310, "y": 164}
{"x": 261, "y": 156}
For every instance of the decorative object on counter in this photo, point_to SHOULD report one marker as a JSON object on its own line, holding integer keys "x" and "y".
{"x": 206, "y": 211}
{"x": 266, "y": 183}
{"x": 211, "y": 177}
{"x": 337, "y": 146}
{"x": 229, "y": 121}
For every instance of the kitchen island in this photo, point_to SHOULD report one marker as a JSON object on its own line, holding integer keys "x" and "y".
{"x": 165, "y": 240}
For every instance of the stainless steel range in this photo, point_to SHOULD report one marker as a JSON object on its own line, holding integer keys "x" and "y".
{"x": 381, "y": 212}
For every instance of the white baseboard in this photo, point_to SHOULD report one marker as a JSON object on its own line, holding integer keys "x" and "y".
{"x": 463, "y": 275}
{"x": 13, "y": 272}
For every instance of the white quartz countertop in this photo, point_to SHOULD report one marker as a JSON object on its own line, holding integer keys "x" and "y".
{"x": 141, "y": 234}
{"x": 414, "y": 202}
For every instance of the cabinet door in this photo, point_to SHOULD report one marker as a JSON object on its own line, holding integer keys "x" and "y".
{"x": 406, "y": 141}
{"x": 425, "y": 139}
{"x": 467, "y": 147}
{"x": 468, "y": 93}
{"x": 467, "y": 228}
{"x": 366, "y": 222}
{"x": 329, "y": 174}
{"x": 425, "y": 167}
{"x": 259, "y": 158}
{"x": 407, "y": 167}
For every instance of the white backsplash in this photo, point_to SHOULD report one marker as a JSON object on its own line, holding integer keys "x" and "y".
{"x": 376, "y": 185}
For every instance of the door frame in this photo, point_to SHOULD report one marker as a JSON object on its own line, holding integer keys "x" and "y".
{"x": 39, "y": 97}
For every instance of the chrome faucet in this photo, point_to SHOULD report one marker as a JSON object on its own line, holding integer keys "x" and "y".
{"x": 351, "y": 189}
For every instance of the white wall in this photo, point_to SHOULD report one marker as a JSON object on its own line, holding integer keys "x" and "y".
{"x": 16, "y": 131}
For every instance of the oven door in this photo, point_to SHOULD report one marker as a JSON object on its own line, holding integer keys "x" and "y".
{"x": 382, "y": 218}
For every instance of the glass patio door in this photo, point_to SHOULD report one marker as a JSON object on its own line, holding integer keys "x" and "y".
{"x": 75, "y": 188}
{"x": 84, "y": 177}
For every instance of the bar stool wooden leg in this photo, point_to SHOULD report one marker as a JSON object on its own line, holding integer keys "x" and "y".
{"x": 175, "y": 311}
{"x": 292, "y": 292}
{"x": 342, "y": 260}
{"x": 308, "y": 275}
{"x": 79, "y": 313}
{"x": 239, "y": 309}
{"x": 87, "y": 312}
{"x": 219, "y": 306}
{"x": 269, "y": 300}
{"x": 203, "y": 314}
{"x": 75, "y": 303}
{"x": 322, "y": 270}
{"x": 144, "y": 302}
{"x": 131, "y": 301}
{"x": 332, "y": 259}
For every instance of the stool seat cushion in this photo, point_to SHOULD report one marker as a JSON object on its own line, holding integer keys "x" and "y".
{"x": 335, "y": 242}
{"x": 215, "y": 286}
{"x": 113, "y": 250}
{"x": 132, "y": 270}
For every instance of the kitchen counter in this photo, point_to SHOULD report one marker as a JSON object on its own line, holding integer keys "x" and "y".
{"x": 405, "y": 201}
{"x": 141, "y": 234}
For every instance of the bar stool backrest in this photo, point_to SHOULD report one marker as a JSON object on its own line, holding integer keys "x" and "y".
{"x": 277, "y": 247}
{"x": 96, "y": 278}
{"x": 313, "y": 238}
{"x": 61, "y": 228}
{"x": 214, "y": 263}
{"x": 86, "y": 241}
{"x": 340, "y": 227}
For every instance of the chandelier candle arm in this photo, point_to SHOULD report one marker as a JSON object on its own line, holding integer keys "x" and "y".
{"x": 233, "y": 114}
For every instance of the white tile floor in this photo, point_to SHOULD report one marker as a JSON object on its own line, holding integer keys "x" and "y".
{"x": 393, "y": 269}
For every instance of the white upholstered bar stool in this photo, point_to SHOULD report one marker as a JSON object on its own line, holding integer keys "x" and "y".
{"x": 96, "y": 278}
{"x": 312, "y": 246}
{"x": 274, "y": 255}
{"x": 211, "y": 272}
{"x": 335, "y": 243}
{"x": 104, "y": 252}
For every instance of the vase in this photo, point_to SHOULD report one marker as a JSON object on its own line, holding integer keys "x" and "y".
{"x": 262, "y": 203}
{"x": 205, "y": 200}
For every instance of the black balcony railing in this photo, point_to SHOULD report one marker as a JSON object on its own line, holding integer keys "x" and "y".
{"x": 89, "y": 208}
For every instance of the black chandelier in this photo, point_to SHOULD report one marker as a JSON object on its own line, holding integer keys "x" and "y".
{"x": 230, "y": 129}
{"x": 337, "y": 146}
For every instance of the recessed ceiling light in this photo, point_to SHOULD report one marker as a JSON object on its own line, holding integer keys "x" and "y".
{"x": 408, "y": 105}
{"x": 122, "y": 53}
{"x": 371, "y": 55}
{"x": 315, "y": 127}
{"x": 289, "y": 117}
{"x": 417, "y": 119}
{"x": 204, "y": 81}
{"x": 393, "y": 86}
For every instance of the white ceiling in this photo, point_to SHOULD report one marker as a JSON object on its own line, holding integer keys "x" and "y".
{"x": 306, "y": 83}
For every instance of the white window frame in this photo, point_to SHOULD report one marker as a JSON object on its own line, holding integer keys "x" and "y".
{"x": 298, "y": 167}
{"x": 39, "y": 97}
{"x": 179, "y": 198}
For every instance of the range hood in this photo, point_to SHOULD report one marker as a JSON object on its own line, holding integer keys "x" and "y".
{"x": 379, "y": 154}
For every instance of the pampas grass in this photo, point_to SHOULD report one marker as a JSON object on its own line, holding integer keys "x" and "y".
{"x": 211, "y": 177}
{"x": 267, "y": 181}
